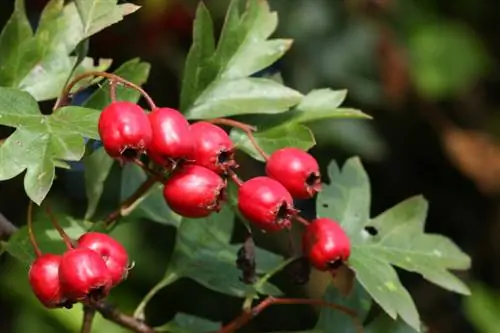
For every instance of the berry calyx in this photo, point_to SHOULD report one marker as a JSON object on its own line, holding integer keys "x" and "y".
{"x": 112, "y": 252}
{"x": 171, "y": 136}
{"x": 194, "y": 191}
{"x": 266, "y": 203}
{"x": 83, "y": 274}
{"x": 326, "y": 244}
{"x": 44, "y": 280}
{"x": 212, "y": 147}
{"x": 297, "y": 170}
{"x": 124, "y": 129}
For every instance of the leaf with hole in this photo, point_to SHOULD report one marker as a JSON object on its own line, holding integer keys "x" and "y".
{"x": 394, "y": 238}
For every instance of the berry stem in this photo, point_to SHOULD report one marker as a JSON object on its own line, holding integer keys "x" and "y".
{"x": 88, "y": 318}
{"x": 302, "y": 220}
{"x": 36, "y": 248}
{"x": 67, "y": 241}
{"x": 112, "y": 90}
{"x": 130, "y": 202}
{"x": 248, "y": 129}
{"x": 234, "y": 176}
{"x": 63, "y": 98}
{"x": 147, "y": 169}
{"x": 246, "y": 316}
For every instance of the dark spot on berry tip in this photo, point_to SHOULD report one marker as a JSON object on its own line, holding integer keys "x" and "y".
{"x": 312, "y": 179}
{"x": 283, "y": 212}
{"x": 130, "y": 153}
{"x": 332, "y": 265}
{"x": 67, "y": 305}
{"x": 371, "y": 230}
{"x": 224, "y": 156}
{"x": 96, "y": 294}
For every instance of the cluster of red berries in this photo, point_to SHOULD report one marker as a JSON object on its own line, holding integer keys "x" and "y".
{"x": 199, "y": 158}
{"x": 87, "y": 271}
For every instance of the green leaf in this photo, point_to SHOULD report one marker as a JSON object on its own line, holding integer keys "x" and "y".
{"x": 47, "y": 237}
{"x": 203, "y": 253}
{"x": 96, "y": 15}
{"x": 395, "y": 237}
{"x": 385, "y": 324}
{"x": 243, "y": 96}
{"x": 152, "y": 206}
{"x": 134, "y": 71}
{"x": 41, "y": 142}
{"x": 97, "y": 168}
{"x": 14, "y": 33}
{"x": 216, "y": 81}
{"x": 197, "y": 73}
{"x": 482, "y": 308}
{"x": 358, "y": 300}
{"x": 270, "y": 140}
{"x": 185, "y": 323}
{"x": 324, "y": 104}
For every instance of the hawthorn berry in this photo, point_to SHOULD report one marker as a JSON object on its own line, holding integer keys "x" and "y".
{"x": 212, "y": 147}
{"x": 112, "y": 252}
{"x": 44, "y": 280}
{"x": 171, "y": 136}
{"x": 83, "y": 274}
{"x": 297, "y": 170}
{"x": 194, "y": 191}
{"x": 326, "y": 244}
{"x": 124, "y": 129}
{"x": 266, "y": 203}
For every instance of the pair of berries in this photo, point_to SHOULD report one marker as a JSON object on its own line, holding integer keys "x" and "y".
{"x": 267, "y": 201}
{"x": 166, "y": 136}
{"x": 87, "y": 271}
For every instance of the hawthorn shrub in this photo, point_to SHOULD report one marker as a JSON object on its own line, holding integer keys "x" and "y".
{"x": 180, "y": 168}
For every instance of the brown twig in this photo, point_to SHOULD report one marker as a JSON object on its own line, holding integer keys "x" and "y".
{"x": 247, "y": 316}
{"x": 248, "y": 129}
{"x": 63, "y": 98}
{"x": 6, "y": 228}
{"x": 88, "y": 318}
{"x": 111, "y": 313}
{"x": 31, "y": 235}
{"x": 66, "y": 239}
{"x": 301, "y": 219}
{"x": 234, "y": 176}
{"x": 130, "y": 200}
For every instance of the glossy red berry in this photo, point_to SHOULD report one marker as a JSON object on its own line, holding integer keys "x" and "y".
{"x": 212, "y": 147}
{"x": 83, "y": 274}
{"x": 194, "y": 191}
{"x": 124, "y": 129}
{"x": 326, "y": 244}
{"x": 171, "y": 136}
{"x": 112, "y": 252}
{"x": 297, "y": 170}
{"x": 266, "y": 203}
{"x": 44, "y": 280}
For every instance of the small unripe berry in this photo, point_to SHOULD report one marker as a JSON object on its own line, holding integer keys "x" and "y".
{"x": 124, "y": 129}
{"x": 84, "y": 274}
{"x": 44, "y": 280}
{"x": 212, "y": 147}
{"x": 171, "y": 136}
{"x": 112, "y": 252}
{"x": 194, "y": 191}
{"x": 266, "y": 203}
{"x": 297, "y": 170}
{"x": 326, "y": 244}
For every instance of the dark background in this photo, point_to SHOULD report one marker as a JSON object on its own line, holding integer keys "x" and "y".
{"x": 427, "y": 71}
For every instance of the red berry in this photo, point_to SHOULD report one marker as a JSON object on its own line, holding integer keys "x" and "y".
{"x": 124, "y": 129}
{"x": 84, "y": 274}
{"x": 326, "y": 244}
{"x": 297, "y": 170}
{"x": 212, "y": 147}
{"x": 171, "y": 136}
{"x": 44, "y": 280}
{"x": 112, "y": 252}
{"x": 194, "y": 191}
{"x": 266, "y": 203}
